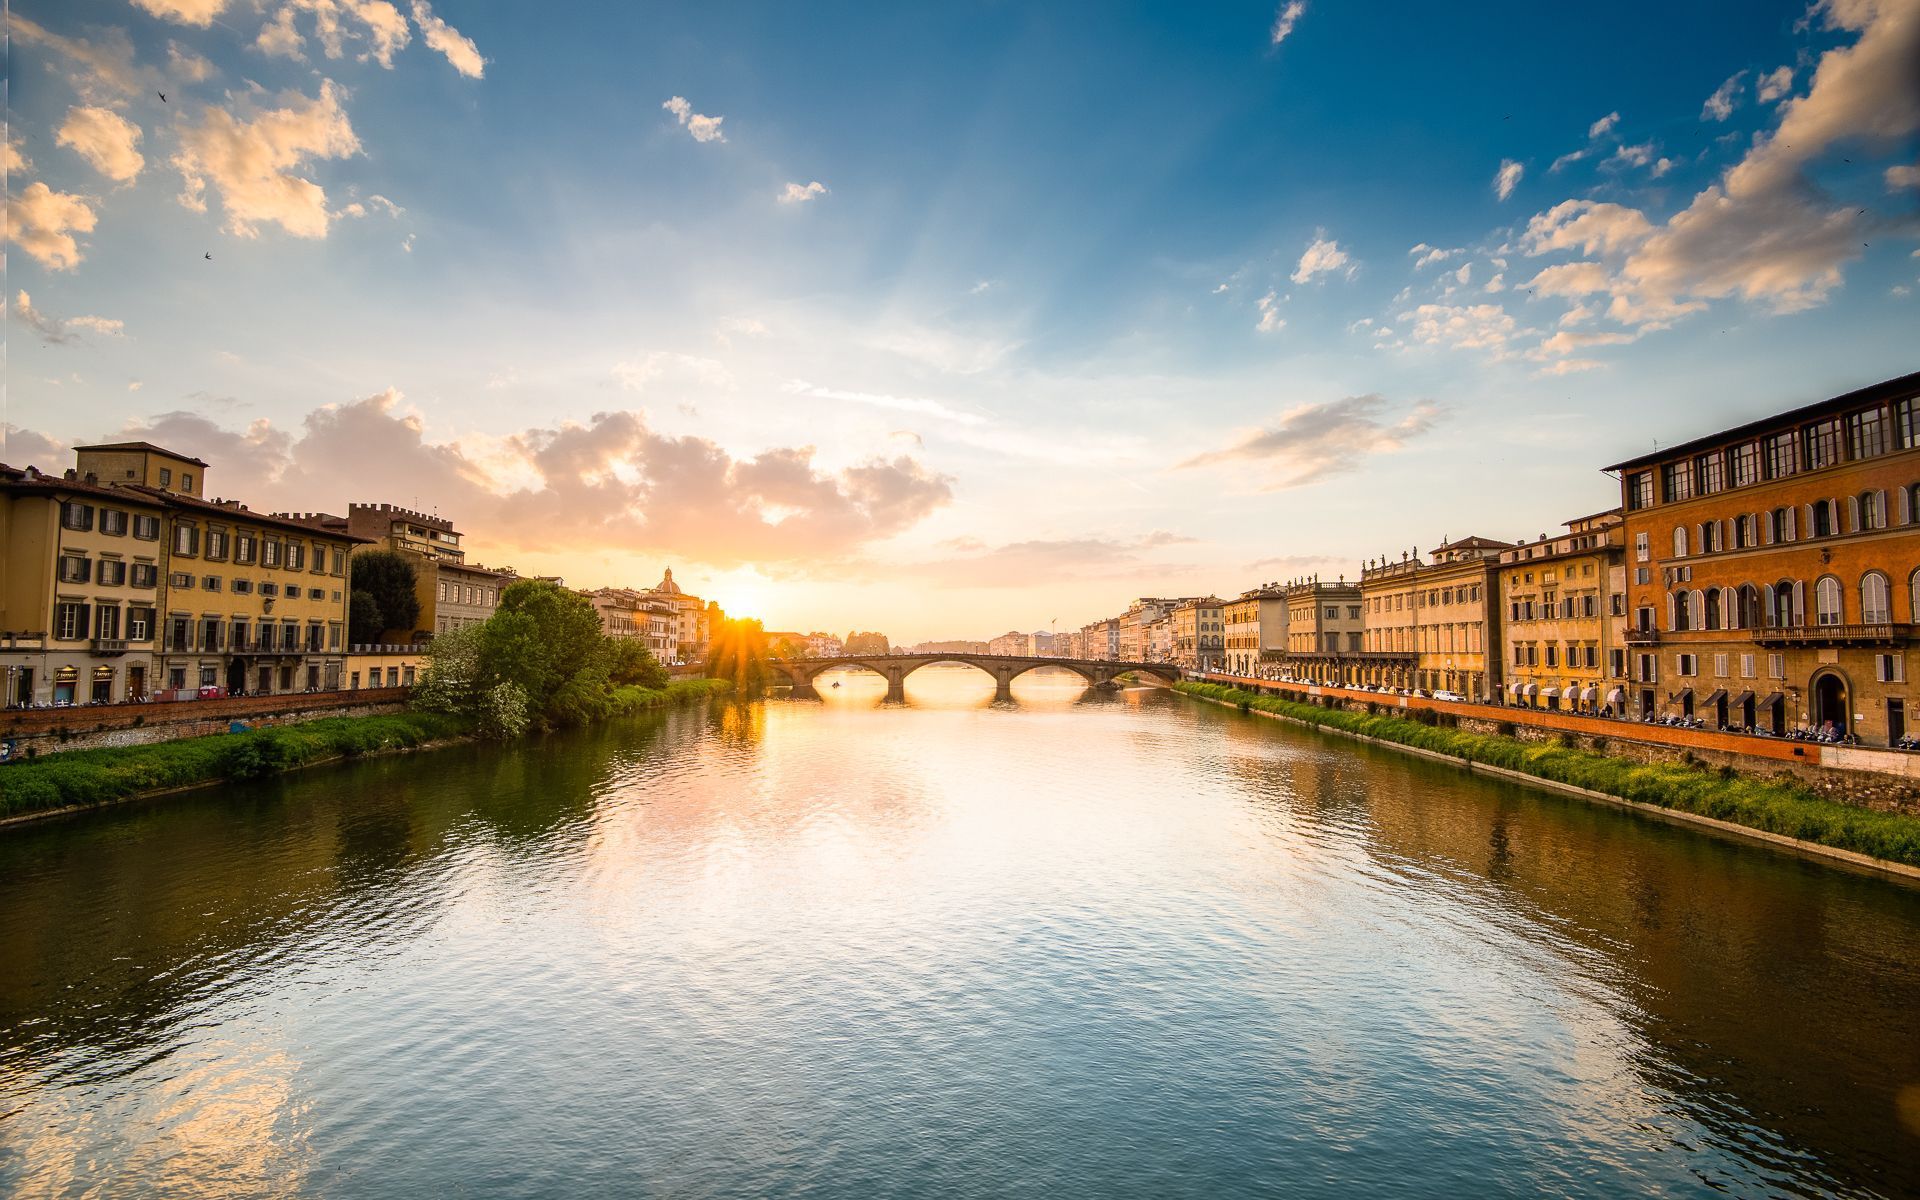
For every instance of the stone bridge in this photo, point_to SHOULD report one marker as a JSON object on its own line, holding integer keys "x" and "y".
{"x": 1004, "y": 668}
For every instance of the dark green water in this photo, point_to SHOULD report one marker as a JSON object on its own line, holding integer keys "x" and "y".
{"x": 1074, "y": 946}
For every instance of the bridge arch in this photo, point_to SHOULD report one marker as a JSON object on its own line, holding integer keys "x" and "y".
{"x": 1003, "y": 669}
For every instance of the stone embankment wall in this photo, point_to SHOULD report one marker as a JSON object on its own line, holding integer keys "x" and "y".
{"x": 1888, "y": 780}
{"x": 89, "y": 727}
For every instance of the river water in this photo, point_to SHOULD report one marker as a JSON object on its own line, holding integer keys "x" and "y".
{"x": 1074, "y": 945}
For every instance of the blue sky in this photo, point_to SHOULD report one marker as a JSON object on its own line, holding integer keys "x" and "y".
{"x": 1089, "y": 302}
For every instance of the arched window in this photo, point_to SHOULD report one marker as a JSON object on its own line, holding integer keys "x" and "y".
{"x": 1742, "y": 532}
{"x": 1826, "y": 601}
{"x": 1682, "y": 611}
{"x": 1873, "y": 510}
{"x": 1782, "y": 522}
{"x": 1713, "y": 609}
{"x": 1822, "y": 524}
{"x": 1876, "y": 599}
{"x": 1913, "y": 597}
{"x": 1783, "y": 605}
{"x": 1680, "y": 541}
{"x": 1751, "y": 614}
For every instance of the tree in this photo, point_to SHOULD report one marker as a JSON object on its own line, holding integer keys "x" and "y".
{"x": 738, "y": 654}
{"x": 864, "y": 642}
{"x": 387, "y": 579}
{"x": 547, "y": 641}
{"x": 634, "y": 665}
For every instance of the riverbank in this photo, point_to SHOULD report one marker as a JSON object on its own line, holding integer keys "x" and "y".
{"x": 77, "y": 779}
{"x": 1771, "y": 811}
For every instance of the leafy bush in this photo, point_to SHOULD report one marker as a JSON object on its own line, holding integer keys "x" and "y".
{"x": 1775, "y": 807}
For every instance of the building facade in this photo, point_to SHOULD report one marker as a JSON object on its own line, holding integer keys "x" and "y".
{"x": 1325, "y": 632}
{"x": 694, "y": 619}
{"x": 638, "y": 616}
{"x": 1254, "y": 629}
{"x": 452, "y": 592}
{"x": 1774, "y": 569}
{"x": 1199, "y": 633}
{"x": 1011, "y": 642}
{"x": 1563, "y": 611}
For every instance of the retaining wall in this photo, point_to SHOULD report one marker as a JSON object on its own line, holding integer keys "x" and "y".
{"x": 89, "y": 727}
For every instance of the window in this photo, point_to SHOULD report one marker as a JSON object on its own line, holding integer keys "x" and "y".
{"x": 1873, "y": 510}
{"x": 1746, "y": 463}
{"x": 75, "y": 569}
{"x": 1867, "y": 434}
{"x": 270, "y": 552}
{"x": 210, "y": 583}
{"x": 1783, "y": 455}
{"x": 113, "y": 521}
{"x": 146, "y": 575}
{"x": 339, "y": 561}
{"x": 1823, "y": 524}
{"x": 1906, "y": 423}
{"x": 139, "y": 624}
{"x": 186, "y": 539}
{"x": 1746, "y": 666}
{"x": 1676, "y": 481}
{"x": 69, "y": 621}
{"x": 319, "y": 558}
{"x": 1710, "y": 473}
{"x": 1876, "y": 599}
{"x": 180, "y": 580}
{"x": 1776, "y": 666}
{"x": 166, "y": 477}
{"x": 113, "y": 572}
{"x": 1890, "y": 668}
{"x": 1686, "y": 664}
{"x": 146, "y": 528}
{"x": 1826, "y": 601}
{"x": 1640, "y": 491}
{"x": 243, "y": 587}
{"x": 244, "y": 547}
{"x": 216, "y": 543}
{"x": 186, "y": 482}
{"x": 1823, "y": 444}
{"x": 75, "y": 515}
{"x": 1781, "y": 524}
{"x": 296, "y": 556}
{"x": 269, "y": 589}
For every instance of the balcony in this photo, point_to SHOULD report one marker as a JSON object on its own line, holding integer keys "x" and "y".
{"x": 109, "y": 646}
{"x": 1835, "y": 635}
{"x": 1642, "y": 637}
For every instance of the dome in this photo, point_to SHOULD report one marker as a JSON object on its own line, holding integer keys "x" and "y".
{"x": 667, "y": 586}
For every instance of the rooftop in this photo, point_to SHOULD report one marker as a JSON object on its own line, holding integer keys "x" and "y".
{"x": 1891, "y": 389}
{"x": 140, "y": 447}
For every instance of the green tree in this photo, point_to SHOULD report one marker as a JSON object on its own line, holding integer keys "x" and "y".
{"x": 634, "y": 665}
{"x": 547, "y": 641}
{"x": 738, "y": 654}
{"x": 387, "y": 579}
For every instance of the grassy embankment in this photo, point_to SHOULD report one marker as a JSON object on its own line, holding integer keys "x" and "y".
{"x": 88, "y": 777}
{"x": 1774, "y": 807}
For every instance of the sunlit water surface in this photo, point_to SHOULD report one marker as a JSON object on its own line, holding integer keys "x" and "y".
{"x": 1075, "y": 945}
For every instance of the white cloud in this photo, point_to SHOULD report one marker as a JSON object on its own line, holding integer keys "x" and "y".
{"x": 1603, "y": 126}
{"x": 376, "y": 22}
{"x": 252, "y": 164}
{"x": 912, "y": 404}
{"x": 795, "y": 193}
{"x": 1899, "y": 177}
{"x": 105, "y": 139}
{"x": 1774, "y": 84}
{"x": 42, "y": 222}
{"x": 458, "y": 50}
{"x": 101, "y": 69}
{"x": 703, "y": 128}
{"x": 670, "y": 367}
{"x": 56, "y": 331}
{"x": 1310, "y": 442}
{"x": 183, "y": 63}
{"x": 1497, "y": 284}
{"x": 1270, "y": 319}
{"x": 279, "y": 38}
{"x": 1720, "y": 105}
{"x": 1467, "y": 327}
{"x": 1625, "y": 156}
{"x": 1323, "y": 257}
{"x": 1285, "y": 19}
{"x": 186, "y": 12}
{"x": 12, "y": 160}
{"x": 1566, "y": 159}
{"x": 1508, "y": 178}
{"x": 1464, "y": 275}
{"x": 1429, "y": 255}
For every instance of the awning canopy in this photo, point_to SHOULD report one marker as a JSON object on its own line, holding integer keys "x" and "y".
{"x": 1772, "y": 699}
{"x": 1742, "y": 698}
{"x": 1617, "y": 696}
{"x": 1715, "y": 696}
{"x": 1515, "y": 688}
{"x": 1682, "y": 694}
{"x": 1550, "y": 693}
{"x": 1532, "y": 689}
{"x": 1590, "y": 695}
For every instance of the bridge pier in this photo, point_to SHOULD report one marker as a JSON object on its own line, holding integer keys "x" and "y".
{"x": 897, "y": 684}
{"x": 1003, "y": 683}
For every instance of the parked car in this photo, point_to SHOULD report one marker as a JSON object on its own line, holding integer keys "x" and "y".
{"x": 1443, "y": 694}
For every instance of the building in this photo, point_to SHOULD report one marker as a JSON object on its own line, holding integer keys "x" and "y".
{"x": 1325, "y": 632}
{"x": 1011, "y": 642}
{"x": 1254, "y": 627}
{"x": 1774, "y": 568}
{"x": 80, "y": 589}
{"x": 453, "y": 593}
{"x": 1198, "y": 632}
{"x": 1563, "y": 604}
{"x": 1100, "y": 640}
{"x": 245, "y": 602}
{"x": 398, "y": 665}
{"x": 824, "y": 645}
{"x": 694, "y": 619}
{"x": 638, "y": 616}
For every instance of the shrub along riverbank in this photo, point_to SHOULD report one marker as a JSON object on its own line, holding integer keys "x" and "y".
{"x": 78, "y": 778}
{"x": 1773, "y": 807}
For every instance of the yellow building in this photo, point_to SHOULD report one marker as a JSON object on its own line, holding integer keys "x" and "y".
{"x": 385, "y": 666}
{"x": 1324, "y": 632}
{"x": 1563, "y": 610}
{"x": 1441, "y": 611}
{"x": 452, "y": 592}
{"x": 80, "y": 589}
{"x": 1199, "y": 633}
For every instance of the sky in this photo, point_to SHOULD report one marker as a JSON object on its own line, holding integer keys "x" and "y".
{"x": 950, "y": 320}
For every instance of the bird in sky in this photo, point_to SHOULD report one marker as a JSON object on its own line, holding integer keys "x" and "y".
{"x": 162, "y": 95}
{"x": 209, "y": 256}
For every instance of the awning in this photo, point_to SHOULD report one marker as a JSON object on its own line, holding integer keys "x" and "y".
{"x": 1617, "y": 696}
{"x": 1742, "y": 698}
{"x": 1682, "y": 694}
{"x": 1715, "y": 696}
{"x": 1591, "y": 694}
{"x": 1515, "y": 688}
{"x": 1772, "y": 699}
{"x": 1550, "y": 693}
{"x": 1532, "y": 689}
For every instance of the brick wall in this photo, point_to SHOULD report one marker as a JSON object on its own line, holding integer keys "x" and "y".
{"x": 88, "y": 727}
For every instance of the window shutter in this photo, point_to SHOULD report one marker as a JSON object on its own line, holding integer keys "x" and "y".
{"x": 85, "y": 623}
{"x": 1904, "y": 499}
{"x": 1853, "y": 514}
{"x": 1799, "y": 602}
{"x": 1766, "y": 530}
{"x": 1671, "y": 612}
{"x": 1793, "y": 516}
{"x": 1880, "y": 506}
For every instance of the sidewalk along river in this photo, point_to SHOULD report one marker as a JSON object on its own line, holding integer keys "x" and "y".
{"x": 1071, "y": 944}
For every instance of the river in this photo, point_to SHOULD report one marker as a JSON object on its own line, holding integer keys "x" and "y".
{"x": 1079, "y": 944}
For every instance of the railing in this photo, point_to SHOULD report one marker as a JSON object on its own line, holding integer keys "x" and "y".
{"x": 1642, "y": 637}
{"x": 109, "y": 645}
{"x": 1800, "y": 635}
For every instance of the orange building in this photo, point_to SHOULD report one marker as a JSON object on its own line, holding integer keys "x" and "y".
{"x": 1773, "y": 569}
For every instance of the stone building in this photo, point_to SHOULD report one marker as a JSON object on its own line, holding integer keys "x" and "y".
{"x": 1100, "y": 640}
{"x": 452, "y": 592}
{"x": 1254, "y": 628}
{"x": 641, "y": 616}
{"x": 1774, "y": 568}
{"x": 1325, "y": 632}
{"x": 694, "y": 619}
{"x": 1563, "y": 605}
{"x": 1011, "y": 642}
{"x": 1198, "y": 633}
{"x": 1439, "y": 610}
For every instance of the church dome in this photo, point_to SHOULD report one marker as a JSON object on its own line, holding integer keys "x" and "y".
{"x": 667, "y": 586}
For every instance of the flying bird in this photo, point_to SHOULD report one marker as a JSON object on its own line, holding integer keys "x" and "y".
{"x": 162, "y": 95}
{"x": 209, "y": 256}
